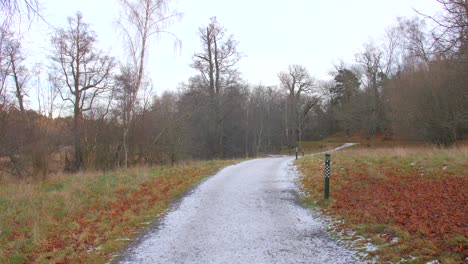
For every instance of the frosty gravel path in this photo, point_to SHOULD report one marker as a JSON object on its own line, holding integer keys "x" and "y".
{"x": 246, "y": 213}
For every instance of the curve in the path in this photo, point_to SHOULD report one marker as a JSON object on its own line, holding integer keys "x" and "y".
{"x": 246, "y": 213}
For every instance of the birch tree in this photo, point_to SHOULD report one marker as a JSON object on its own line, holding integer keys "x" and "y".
{"x": 141, "y": 21}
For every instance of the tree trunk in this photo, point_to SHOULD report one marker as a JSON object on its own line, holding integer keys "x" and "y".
{"x": 210, "y": 59}
{"x": 216, "y": 61}
{"x": 77, "y": 137}
{"x": 374, "y": 111}
{"x": 18, "y": 93}
{"x": 125, "y": 147}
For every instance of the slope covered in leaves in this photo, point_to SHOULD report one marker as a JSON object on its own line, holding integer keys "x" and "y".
{"x": 410, "y": 202}
{"x": 88, "y": 218}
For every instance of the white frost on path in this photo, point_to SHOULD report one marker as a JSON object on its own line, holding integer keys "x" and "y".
{"x": 246, "y": 213}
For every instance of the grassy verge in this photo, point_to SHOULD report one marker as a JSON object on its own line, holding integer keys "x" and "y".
{"x": 411, "y": 202}
{"x": 331, "y": 142}
{"x": 88, "y": 218}
{"x": 310, "y": 147}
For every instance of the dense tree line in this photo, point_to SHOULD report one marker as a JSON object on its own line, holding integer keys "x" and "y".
{"x": 95, "y": 112}
{"x": 411, "y": 86}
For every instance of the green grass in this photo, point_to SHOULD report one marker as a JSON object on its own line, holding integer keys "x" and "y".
{"x": 88, "y": 217}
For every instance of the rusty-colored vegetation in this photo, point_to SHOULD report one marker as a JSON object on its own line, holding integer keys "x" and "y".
{"x": 411, "y": 202}
{"x": 88, "y": 218}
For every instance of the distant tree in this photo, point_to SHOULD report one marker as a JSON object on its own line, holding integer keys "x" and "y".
{"x": 372, "y": 61}
{"x": 217, "y": 61}
{"x": 14, "y": 127}
{"x": 299, "y": 85}
{"x": 128, "y": 101}
{"x": 194, "y": 102}
{"x": 430, "y": 104}
{"x": 12, "y": 9}
{"x": 47, "y": 95}
{"x": 5, "y": 68}
{"x": 264, "y": 119}
{"x": 216, "y": 64}
{"x": 342, "y": 93}
{"x": 415, "y": 42}
{"x": 141, "y": 20}
{"x": 346, "y": 85}
{"x": 126, "y": 96}
{"x": 81, "y": 72}
{"x": 10, "y": 12}
{"x": 451, "y": 34}
{"x": 167, "y": 116}
{"x": 14, "y": 58}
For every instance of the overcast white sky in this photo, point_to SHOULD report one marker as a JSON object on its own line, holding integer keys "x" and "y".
{"x": 271, "y": 33}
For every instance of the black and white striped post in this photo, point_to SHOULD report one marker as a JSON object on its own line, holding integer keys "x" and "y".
{"x": 327, "y": 176}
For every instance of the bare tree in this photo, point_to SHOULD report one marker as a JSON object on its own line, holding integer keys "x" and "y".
{"x": 298, "y": 83}
{"x": 144, "y": 19}
{"x": 392, "y": 51}
{"x": 141, "y": 20}
{"x": 415, "y": 41}
{"x": 216, "y": 64}
{"x": 19, "y": 73}
{"x": 217, "y": 61}
{"x": 259, "y": 119}
{"x": 17, "y": 132}
{"x": 16, "y": 9}
{"x": 82, "y": 73}
{"x": 47, "y": 95}
{"x": 126, "y": 98}
{"x": 166, "y": 115}
{"x": 371, "y": 59}
{"x": 451, "y": 34}
{"x": 5, "y": 67}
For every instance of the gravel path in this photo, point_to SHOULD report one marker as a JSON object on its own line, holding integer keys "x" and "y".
{"x": 246, "y": 213}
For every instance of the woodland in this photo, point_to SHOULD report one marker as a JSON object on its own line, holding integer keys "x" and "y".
{"x": 97, "y": 113}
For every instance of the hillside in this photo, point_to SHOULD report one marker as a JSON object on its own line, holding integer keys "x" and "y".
{"x": 410, "y": 202}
